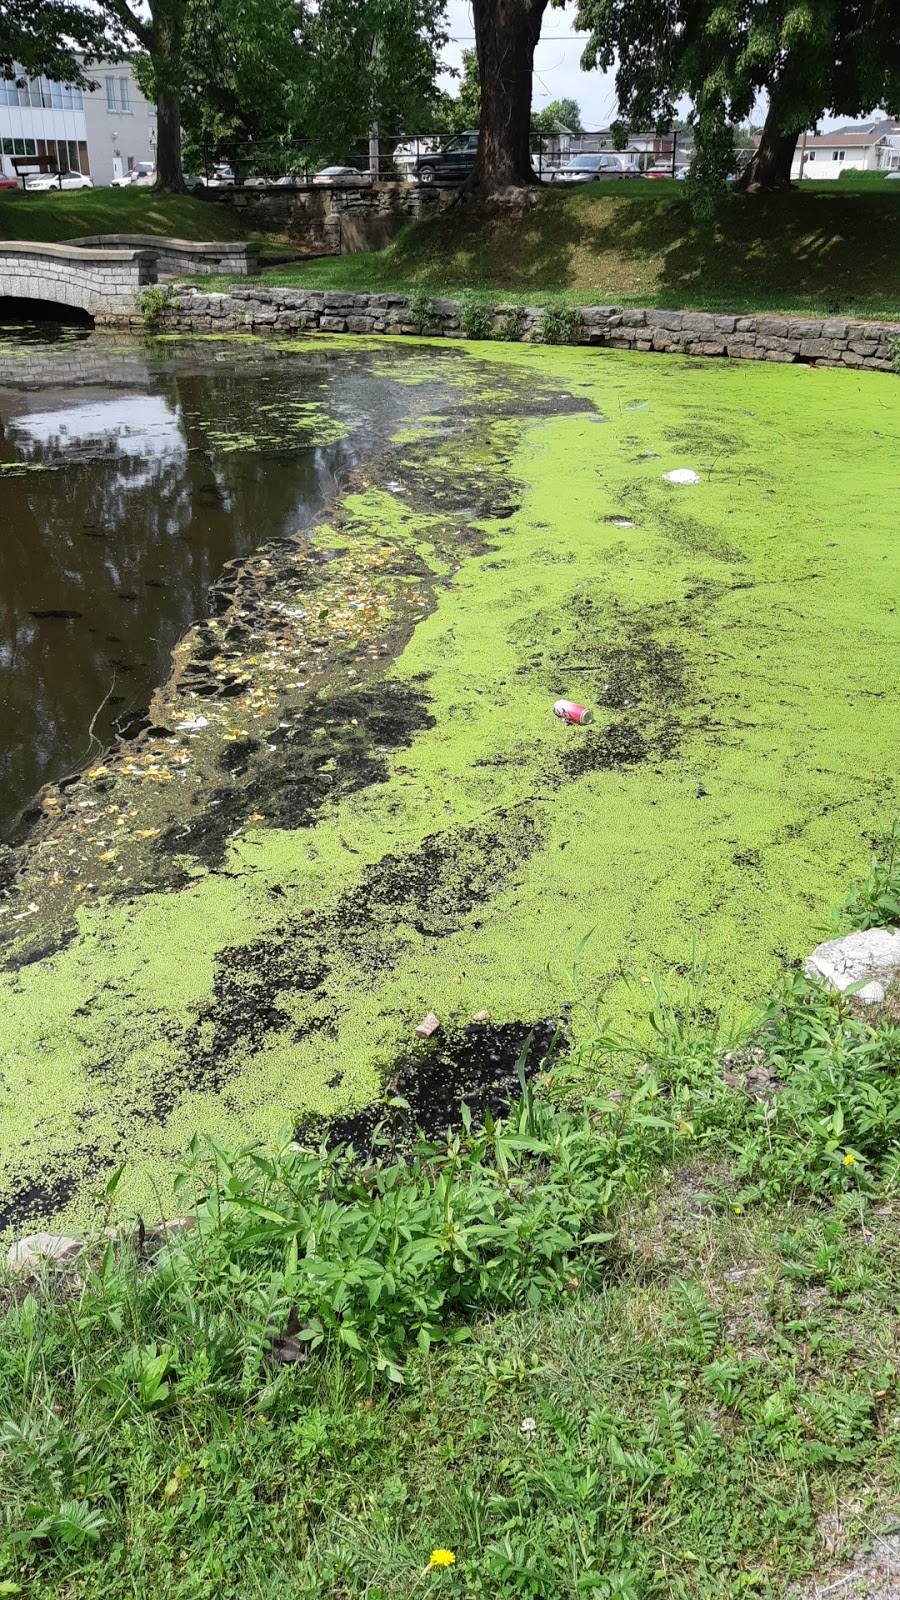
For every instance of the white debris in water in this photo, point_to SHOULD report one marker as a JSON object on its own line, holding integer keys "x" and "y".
{"x": 192, "y": 725}
{"x": 681, "y": 475}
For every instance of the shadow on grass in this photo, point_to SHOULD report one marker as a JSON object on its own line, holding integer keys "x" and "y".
{"x": 833, "y": 250}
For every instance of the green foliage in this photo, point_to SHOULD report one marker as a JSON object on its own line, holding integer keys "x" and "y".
{"x": 460, "y": 113}
{"x": 153, "y": 302}
{"x": 475, "y": 319}
{"x": 559, "y": 325}
{"x": 52, "y": 37}
{"x": 806, "y": 58}
{"x": 565, "y": 113}
{"x": 512, "y": 323}
{"x": 894, "y": 353}
{"x": 875, "y": 902}
{"x": 420, "y": 310}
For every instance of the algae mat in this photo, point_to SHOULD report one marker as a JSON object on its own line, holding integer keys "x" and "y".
{"x": 735, "y": 640}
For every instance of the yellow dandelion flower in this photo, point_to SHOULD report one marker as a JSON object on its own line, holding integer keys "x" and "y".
{"x": 849, "y": 1159}
{"x": 440, "y": 1558}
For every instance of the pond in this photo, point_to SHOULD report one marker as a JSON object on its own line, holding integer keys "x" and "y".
{"x": 128, "y": 477}
{"x": 350, "y": 803}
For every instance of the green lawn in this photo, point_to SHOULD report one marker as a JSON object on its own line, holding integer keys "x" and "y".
{"x": 53, "y": 217}
{"x": 828, "y": 248}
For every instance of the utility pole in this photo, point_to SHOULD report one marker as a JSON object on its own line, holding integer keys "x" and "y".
{"x": 374, "y": 150}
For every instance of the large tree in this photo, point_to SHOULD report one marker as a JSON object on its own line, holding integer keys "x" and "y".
{"x": 42, "y": 36}
{"x": 506, "y": 34}
{"x": 268, "y": 81}
{"x": 806, "y": 56}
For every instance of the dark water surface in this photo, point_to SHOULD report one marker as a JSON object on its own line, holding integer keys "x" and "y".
{"x": 129, "y": 473}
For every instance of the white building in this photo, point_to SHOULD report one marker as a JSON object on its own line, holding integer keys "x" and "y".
{"x": 101, "y": 132}
{"x": 867, "y": 147}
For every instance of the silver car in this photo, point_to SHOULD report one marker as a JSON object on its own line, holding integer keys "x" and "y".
{"x": 591, "y": 169}
{"x": 342, "y": 177}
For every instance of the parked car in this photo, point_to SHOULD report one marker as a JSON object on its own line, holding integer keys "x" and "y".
{"x": 8, "y": 183}
{"x": 143, "y": 173}
{"x": 342, "y": 177}
{"x": 662, "y": 171}
{"x": 291, "y": 180}
{"x": 591, "y": 168}
{"x": 894, "y": 175}
{"x": 41, "y": 182}
{"x": 454, "y": 159}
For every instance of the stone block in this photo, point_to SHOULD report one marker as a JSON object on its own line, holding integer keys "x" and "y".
{"x": 870, "y": 957}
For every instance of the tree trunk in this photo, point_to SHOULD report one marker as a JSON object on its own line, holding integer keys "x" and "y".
{"x": 506, "y": 32}
{"x": 168, "y": 141}
{"x": 165, "y": 52}
{"x": 770, "y": 167}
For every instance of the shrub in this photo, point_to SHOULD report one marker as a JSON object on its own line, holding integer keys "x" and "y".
{"x": 153, "y": 302}
{"x": 475, "y": 319}
{"x": 875, "y": 902}
{"x": 512, "y": 324}
{"x": 559, "y": 325}
{"x": 420, "y": 310}
{"x": 894, "y": 353}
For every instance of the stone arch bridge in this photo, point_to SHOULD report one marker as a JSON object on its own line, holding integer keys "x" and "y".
{"x": 104, "y": 274}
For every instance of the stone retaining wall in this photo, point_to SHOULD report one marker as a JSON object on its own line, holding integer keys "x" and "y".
{"x": 835, "y": 342}
{"x": 332, "y": 222}
{"x": 104, "y": 283}
{"x": 187, "y": 258}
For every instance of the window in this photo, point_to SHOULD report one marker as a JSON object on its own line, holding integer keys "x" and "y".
{"x": 73, "y": 156}
{"x": 67, "y": 97}
{"x": 123, "y": 94}
{"x": 34, "y": 92}
{"x": 810, "y": 155}
{"x": 30, "y": 147}
{"x": 83, "y": 162}
{"x": 56, "y": 96}
{"x": 46, "y": 94}
{"x": 837, "y": 155}
{"x": 110, "y": 94}
{"x": 7, "y": 147}
{"x": 77, "y": 100}
{"x": 129, "y": 163}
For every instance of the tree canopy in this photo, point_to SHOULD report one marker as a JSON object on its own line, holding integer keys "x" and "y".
{"x": 565, "y": 113}
{"x": 806, "y": 56}
{"x": 42, "y": 36}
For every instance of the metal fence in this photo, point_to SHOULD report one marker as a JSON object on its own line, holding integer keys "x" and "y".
{"x": 438, "y": 158}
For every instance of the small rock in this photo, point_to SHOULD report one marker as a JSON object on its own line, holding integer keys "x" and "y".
{"x": 428, "y": 1026}
{"x": 870, "y": 956}
{"x": 681, "y": 475}
{"x": 482, "y": 1016}
{"x": 27, "y": 1254}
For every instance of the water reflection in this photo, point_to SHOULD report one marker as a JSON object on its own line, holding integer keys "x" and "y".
{"x": 126, "y": 480}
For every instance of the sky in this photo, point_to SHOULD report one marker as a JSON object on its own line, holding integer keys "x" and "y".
{"x": 557, "y": 73}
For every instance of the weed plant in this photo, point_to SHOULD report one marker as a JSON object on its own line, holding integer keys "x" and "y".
{"x": 622, "y": 1343}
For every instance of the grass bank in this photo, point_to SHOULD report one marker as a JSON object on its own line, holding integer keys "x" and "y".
{"x": 50, "y": 218}
{"x": 820, "y": 250}
{"x": 638, "y": 1340}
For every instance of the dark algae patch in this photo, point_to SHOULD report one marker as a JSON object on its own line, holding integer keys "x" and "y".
{"x": 351, "y": 803}
{"x": 481, "y": 1065}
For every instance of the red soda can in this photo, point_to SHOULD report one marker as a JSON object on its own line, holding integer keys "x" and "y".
{"x": 570, "y": 712}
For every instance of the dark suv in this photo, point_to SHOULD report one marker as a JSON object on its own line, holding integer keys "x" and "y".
{"x": 455, "y": 159}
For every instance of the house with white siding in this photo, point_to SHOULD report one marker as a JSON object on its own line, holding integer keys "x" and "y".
{"x": 860, "y": 147}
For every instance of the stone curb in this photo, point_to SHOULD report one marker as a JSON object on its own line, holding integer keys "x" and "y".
{"x": 829, "y": 342}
